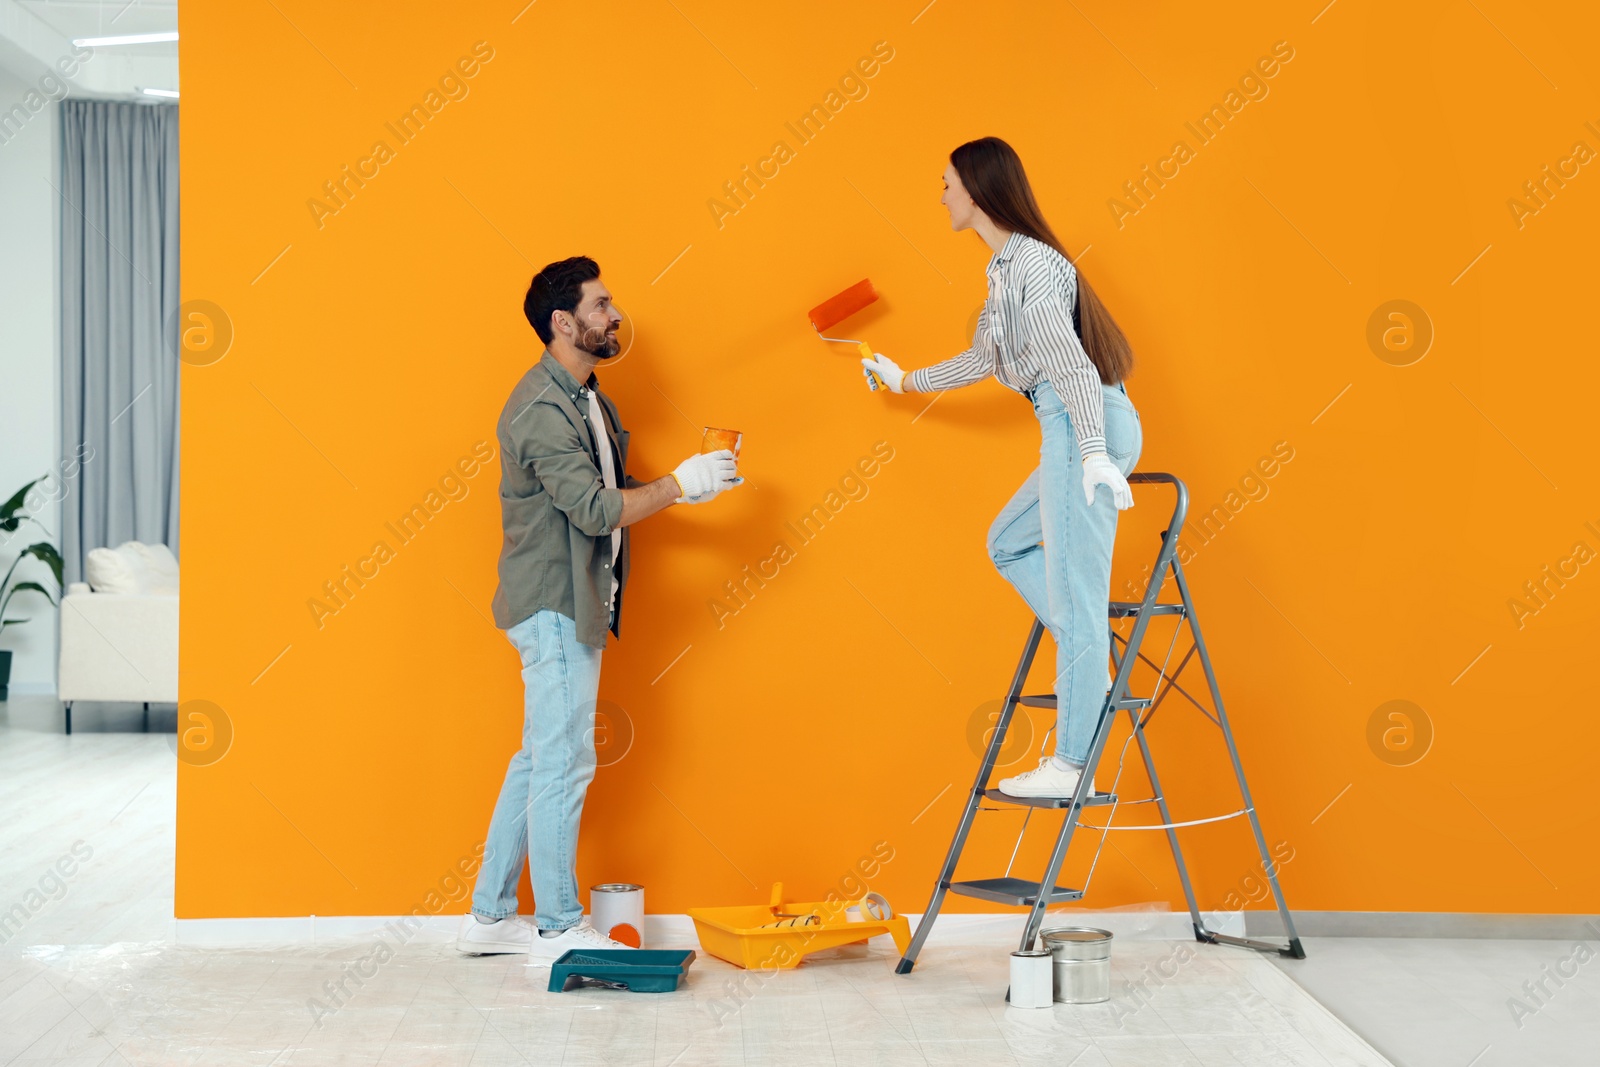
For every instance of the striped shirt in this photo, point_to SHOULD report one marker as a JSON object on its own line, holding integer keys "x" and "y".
{"x": 1025, "y": 336}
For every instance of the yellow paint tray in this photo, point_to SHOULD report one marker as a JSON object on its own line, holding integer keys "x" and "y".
{"x": 743, "y": 934}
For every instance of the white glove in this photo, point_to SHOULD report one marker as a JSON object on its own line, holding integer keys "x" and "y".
{"x": 1099, "y": 470}
{"x": 705, "y": 474}
{"x": 703, "y": 497}
{"x": 888, "y": 370}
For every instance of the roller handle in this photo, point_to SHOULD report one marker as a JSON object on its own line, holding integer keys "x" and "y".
{"x": 872, "y": 379}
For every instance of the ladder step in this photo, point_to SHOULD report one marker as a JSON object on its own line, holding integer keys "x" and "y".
{"x": 1048, "y": 700}
{"x": 1048, "y": 802}
{"x": 1018, "y": 892}
{"x": 1126, "y": 609}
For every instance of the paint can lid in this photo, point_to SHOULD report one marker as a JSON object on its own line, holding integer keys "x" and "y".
{"x": 1033, "y": 953}
{"x": 1075, "y": 933}
{"x": 615, "y": 887}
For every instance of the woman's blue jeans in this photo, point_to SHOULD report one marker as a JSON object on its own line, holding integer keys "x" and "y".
{"x": 541, "y": 802}
{"x": 1066, "y": 580}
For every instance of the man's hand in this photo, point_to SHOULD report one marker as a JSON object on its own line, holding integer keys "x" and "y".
{"x": 705, "y": 474}
{"x": 704, "y": 497}
{"x": 1099, "y": 470}
{"x": 886, "y": 369}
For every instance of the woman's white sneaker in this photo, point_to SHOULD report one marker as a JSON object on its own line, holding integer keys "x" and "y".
{"x": 1045, "y": 780}
{"x": 584, "y": 937}
{"x": 480, "y": 938}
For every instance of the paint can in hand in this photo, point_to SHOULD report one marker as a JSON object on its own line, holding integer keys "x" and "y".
{"x": 616, "y": 909}
{"x": 1032, "y": 978}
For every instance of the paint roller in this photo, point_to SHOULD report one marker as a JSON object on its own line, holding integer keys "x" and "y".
{"x": 836, "y": 309}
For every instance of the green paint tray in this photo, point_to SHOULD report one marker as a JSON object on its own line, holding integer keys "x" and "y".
{"x": 636, "y": 969}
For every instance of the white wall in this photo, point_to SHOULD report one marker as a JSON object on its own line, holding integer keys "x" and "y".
{"x": 30, "y": 407}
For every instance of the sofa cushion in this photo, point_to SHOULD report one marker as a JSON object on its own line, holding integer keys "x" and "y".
{"x": 110, "y": 571}
{"x": 133, "y": 567}
{"x": 158, "y": 567}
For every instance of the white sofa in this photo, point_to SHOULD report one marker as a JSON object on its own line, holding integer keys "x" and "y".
{"x": 119, "y": 630}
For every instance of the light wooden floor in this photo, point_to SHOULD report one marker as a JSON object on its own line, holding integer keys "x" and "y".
{"x": 91, "y": 973}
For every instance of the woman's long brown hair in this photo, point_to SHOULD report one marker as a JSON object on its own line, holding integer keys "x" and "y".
{"x": 993, "y": 176}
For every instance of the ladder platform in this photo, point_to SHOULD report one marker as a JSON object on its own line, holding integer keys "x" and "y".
{"x": 1048, "y": 700}
{"x": 1048, "y": 802}
{"x": 1127, "y": 609}
{"x": 1017, "y": 892}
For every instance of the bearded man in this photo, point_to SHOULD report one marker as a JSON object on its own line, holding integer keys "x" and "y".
{"x": 566, "y": 503}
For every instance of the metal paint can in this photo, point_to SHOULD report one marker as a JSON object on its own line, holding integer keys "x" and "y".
{"x": 616, "y": 909}
{"x": 1081, "y": 960}
{"x": 1031, "y": 981}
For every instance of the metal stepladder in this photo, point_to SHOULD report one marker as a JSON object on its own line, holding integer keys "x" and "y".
{"x": 1036, "y": 896}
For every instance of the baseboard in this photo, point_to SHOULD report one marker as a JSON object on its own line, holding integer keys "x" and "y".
{"x": 1138, "y": 923}
{"x": 299, "y": 930}
{"x": 1428, "y": 924}
{"x": 32, "y": 689}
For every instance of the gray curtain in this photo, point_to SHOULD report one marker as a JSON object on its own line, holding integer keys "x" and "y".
{"x": 119, "y": 308}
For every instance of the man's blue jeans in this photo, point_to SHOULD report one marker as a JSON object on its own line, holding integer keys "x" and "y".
{"x": 541, "y": 802}
{"x": 1067, "y": 579}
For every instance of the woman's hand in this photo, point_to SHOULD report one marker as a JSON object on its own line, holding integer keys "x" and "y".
{"x": 887, "y": 370}
{"x": 1099, "y": 470}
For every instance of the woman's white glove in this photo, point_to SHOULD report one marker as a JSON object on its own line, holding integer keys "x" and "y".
{"x": 705, "y": 474}
{"x": 1099, "y": 470}
{"x": 886, "y": 369}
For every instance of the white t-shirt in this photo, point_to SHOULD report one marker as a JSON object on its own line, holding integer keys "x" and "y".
{"x": 608, "y": 475}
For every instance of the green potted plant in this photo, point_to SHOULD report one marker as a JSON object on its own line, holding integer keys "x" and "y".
{"x": 13, "y": 513}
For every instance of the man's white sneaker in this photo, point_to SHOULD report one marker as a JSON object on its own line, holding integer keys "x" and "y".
{"x": 1045, "y": 780}
{"x": 480, "y": 938}
{"x": 546, "y": 950}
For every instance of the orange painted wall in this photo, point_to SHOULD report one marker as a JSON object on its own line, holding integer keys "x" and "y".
{"x": 373, "y": 347}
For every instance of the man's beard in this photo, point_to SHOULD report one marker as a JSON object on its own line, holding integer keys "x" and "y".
{"x": 597, "y": 342}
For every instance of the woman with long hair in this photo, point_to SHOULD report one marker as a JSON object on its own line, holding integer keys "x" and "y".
{"x": 1090, "y": 435}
